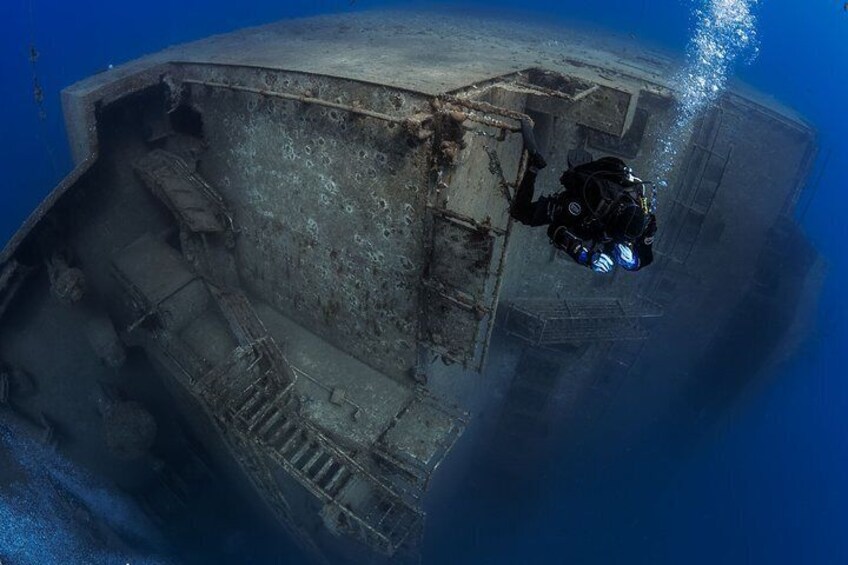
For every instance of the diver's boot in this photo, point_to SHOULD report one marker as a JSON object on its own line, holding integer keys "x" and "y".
{"x": 535, "y": 160}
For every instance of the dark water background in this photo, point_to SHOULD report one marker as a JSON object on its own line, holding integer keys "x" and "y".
{"x": 768, "y": 485}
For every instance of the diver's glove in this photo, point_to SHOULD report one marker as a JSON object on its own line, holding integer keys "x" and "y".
{"x": 626, "y": 257}
{"x": 535, "y": 161}
{"x": 601, "y": 262}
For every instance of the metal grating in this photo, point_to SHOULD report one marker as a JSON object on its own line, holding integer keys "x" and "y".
{"x": 576, "y": 320}
{"x": 703, "y": 173}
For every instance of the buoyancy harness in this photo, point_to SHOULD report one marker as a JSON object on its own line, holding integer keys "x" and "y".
{"x": 603, "y": 185}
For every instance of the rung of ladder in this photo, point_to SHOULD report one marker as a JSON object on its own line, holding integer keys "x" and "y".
{"x": 272, "y": 425}
{"x": 293, "y": 444}
{"x": 323, "y": 470}
{"x": 333, "y": 485}
{"x": 312, "y": 460}
{"x": 301, "y": 451}
{"x": 259, "y": 417}
{"x": 278, "y": 436}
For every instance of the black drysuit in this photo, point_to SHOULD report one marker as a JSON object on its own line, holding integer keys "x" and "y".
{"x": 578, "y": 217}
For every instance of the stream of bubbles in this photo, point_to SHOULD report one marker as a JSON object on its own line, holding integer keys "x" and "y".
{"x": 725, "y": 31}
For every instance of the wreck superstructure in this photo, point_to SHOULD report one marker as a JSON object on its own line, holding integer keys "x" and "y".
{"x": 299, "y": 235}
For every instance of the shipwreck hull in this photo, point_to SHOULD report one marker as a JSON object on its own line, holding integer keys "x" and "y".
{"x": 299, "y": 237}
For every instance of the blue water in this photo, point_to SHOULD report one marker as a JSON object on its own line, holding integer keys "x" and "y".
{"x": 35, "y": 516}
{"x": 767, "y": 486}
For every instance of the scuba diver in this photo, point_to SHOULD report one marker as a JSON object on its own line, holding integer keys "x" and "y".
{"x": 601, "y": 219}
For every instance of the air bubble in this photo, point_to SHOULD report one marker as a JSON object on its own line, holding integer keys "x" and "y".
{"x": 725, "y": 30}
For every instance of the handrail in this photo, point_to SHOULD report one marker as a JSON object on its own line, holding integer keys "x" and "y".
{"x": 299, "y": 98}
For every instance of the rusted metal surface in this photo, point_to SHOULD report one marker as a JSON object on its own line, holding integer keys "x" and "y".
{"x": 250, "y": 396}
{"x": 419, "y": 438}
{"x": 486, "y": 108}
{"x": 244, "y": 397}
{"x": 462, "y": 255}
{"x": 468, "y": 231}
{"x": 186, "y": 195}
{"x": 300, "y": 98}
{"x": 557, "y": 94}
{"x": 260, "y": 418}
{"x": 452, "y": 325}
{"x": 248, "y": 329}
{"x": 330, "y": 206}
